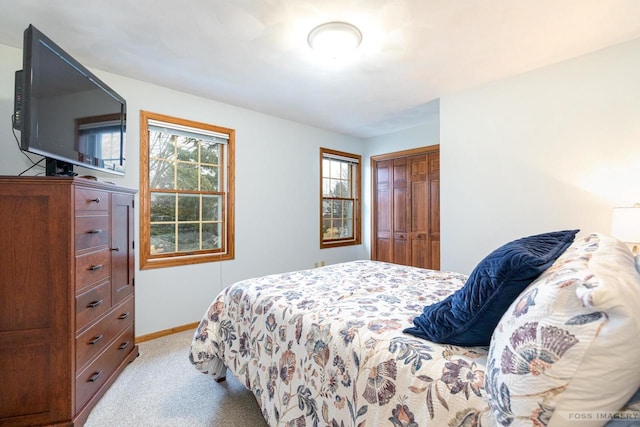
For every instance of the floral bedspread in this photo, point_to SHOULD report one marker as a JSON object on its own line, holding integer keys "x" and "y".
{"x": 325, "y": 347}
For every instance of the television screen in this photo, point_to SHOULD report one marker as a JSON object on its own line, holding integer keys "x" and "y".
{"x": 66, "y": 113}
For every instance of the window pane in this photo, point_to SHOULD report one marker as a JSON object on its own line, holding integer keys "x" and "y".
{"x": 341, "y": 189}
{"x": 188, "y": 237}
{"x": 342, "y": 228}
{"x": 161, "y": 175}
{"x": 327, "y": 231}
{"x": 345, "y": 168}
{"x": 347, "y": 229}
{"x": 337, "y": 222}
{"x": 326, "y": 168}
{"x": 211, "y": 236}
{"x": 163, "y": 238}
{"x": 334, "y": 188}
{"x": 188, "y": 149}
{"x": 163, "y": 207}
{"x": 211, "y": 208}
{"x": 188, "y": 207}
{"x": 335, "y": 169}
{"x": 326, "y": 208}
{"x": 210, "y": 153}
{"x": 336, "y": 208}
{"x": 347, "y": 209}
{"x": 209, "y": 178}
{"x": 326, "y": 187}
{"x": 162, "y": 146}
{"x": 187, "y": 176}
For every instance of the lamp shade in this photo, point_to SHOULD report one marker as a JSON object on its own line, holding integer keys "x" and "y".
{"x": 625, "y": 224}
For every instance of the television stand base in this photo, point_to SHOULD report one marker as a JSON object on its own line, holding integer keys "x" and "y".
{"x": 55, "y": 167}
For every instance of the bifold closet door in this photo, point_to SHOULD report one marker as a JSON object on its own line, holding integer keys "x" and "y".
{"x": 407, "y": 210}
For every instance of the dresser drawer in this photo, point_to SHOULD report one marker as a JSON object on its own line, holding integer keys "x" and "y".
{"x": 92, "y": 304}
{"x": 92, "y": 231}
{"x": 92, "y": 268}
{"x": 88, "y": 199}
{"x": 92, "y": 341}
{"x": 90, "y": 379}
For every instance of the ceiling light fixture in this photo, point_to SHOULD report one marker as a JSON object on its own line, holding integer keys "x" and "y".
{"x": 335, "y": 38}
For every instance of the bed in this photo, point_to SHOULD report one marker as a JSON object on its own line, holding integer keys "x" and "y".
{"x": 354, "y": 344}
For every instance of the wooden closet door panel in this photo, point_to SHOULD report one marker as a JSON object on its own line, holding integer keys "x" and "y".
{"x": 401, "y": 212}
{"x": 434, "y": 210}
{"x": 384, "y": 210}
{"x": 401, "y": 251}
{"x": 419, "y": 205}
{"x": 434, "y": 227}
{"x": 400, "y": 196}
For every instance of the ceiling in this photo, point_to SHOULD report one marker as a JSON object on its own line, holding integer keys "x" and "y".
{"x": 254, "y": 53}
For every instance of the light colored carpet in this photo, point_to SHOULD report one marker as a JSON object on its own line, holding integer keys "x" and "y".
{"x": 162, "y": 389}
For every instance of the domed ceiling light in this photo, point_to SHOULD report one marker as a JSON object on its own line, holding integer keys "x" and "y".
{"x": 335, "y": 38}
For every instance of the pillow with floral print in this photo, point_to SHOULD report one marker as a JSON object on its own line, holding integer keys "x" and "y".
{"x": 567, "y": 350}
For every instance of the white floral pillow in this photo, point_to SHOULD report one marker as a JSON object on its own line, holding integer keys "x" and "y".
{"x": 568, "y": 348}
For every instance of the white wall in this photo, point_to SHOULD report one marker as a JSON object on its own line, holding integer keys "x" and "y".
{"x": 555, "y": 148}
{"x": 277, "y": 201}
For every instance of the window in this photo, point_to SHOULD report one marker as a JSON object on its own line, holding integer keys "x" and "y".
{"x": 340, "y": 199}
{"x": 186, "y": 191}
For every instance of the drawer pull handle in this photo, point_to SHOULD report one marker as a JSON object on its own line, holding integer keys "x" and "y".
{"x": 95, "y": 267}
{"x": 95, "y": 340}
{"x": 95, "y": 231}
{"x": 94, "y": 304}
{"x": 123, "y": 316}
{"x": 96, "y": 200}
{"x": 116, "y": 249}
{"x": 93, "y": 378}
{"x": 123, "y": 345}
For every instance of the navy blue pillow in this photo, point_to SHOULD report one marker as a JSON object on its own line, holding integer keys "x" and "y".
{"x": 468, "y": 316}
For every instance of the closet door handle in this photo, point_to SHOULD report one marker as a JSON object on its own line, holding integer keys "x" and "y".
{"x": 116, "y": 249}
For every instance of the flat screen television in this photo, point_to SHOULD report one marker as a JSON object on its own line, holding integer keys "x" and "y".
{"x": 65, "y": 113}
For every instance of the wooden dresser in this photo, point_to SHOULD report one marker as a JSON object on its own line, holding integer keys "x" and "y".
{"x": 66, "y": 296}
